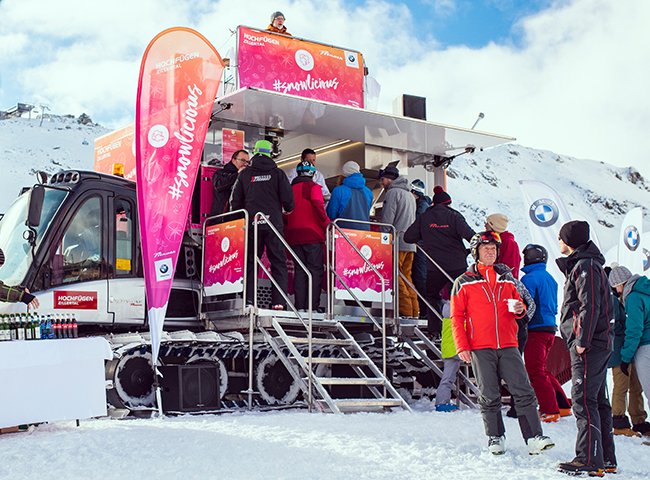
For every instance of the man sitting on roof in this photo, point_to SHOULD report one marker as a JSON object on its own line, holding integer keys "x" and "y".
{"x": 277, "y": 24}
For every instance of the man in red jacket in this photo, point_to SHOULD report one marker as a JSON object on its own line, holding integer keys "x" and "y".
{"x": 484, "y": 306}
{"x": 509, "y": 250}
{"x": 305, "y": 232}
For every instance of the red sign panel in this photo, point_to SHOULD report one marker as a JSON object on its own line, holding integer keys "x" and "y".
{"x": 223, "y": 267}
{"x": 71, "y": 300}
{"x": 116, "y": 147}
{"x": 298, "y": 67}
{"x": 377, "y": 248}
{"x": 231, "y": 141}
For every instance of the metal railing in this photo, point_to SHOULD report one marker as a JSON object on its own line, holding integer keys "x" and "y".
{"x": 332, "y": 275}
{"x": 259, "y": 216}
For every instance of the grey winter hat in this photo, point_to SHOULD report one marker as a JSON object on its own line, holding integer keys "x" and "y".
{"x": 275, "y": 15}
{"x": 619, "y": 275}
{"x": 350, "y": 168}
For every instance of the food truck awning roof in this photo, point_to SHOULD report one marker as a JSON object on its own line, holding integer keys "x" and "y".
{"x": 302, "y": 115}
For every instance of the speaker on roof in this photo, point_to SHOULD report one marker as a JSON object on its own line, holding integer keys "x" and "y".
{"x": 415, "y": 107}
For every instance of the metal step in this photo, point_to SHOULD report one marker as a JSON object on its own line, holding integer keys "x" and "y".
{"x": 338, "y": 361}
{"x": 322, "y": 341}
{"x": 350, "y": 381}
{"x": 353, "y": 403}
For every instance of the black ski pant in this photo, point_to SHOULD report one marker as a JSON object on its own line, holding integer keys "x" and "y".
{"x": 419, "y": 277}
{"x": 490, "y": 367}
{"x": 591, "y": 407}
{"x": 312, "y": 256}
{"x": 275, "y": 252}
{"x": 436, "y": 281}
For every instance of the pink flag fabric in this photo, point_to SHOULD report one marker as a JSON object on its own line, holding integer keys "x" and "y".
{"x": 179, "y": 77}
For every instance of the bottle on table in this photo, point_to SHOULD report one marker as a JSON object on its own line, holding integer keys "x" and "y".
{"x": 75, "y": 327}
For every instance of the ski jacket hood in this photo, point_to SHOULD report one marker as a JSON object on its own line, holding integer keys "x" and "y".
{"x": 543, "y": 288}
{"x": 352, "y": 199}
{"x": 399, "y": 210}
{"x": 263, "y": 187}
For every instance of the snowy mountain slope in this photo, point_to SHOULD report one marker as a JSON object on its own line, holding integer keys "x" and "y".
{"x": 480, "y": 183}
{"x": 26, "y": 147}
{"x": 487, "y": 182}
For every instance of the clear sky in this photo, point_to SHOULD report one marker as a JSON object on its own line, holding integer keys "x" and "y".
{"x": 566, "y": 75}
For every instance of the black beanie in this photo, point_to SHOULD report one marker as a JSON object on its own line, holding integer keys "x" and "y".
{"x": 440, "y": 196}
{"x": 575, "y": 233}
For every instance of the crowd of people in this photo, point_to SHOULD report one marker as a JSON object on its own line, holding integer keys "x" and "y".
{"x": 483, "y": 313}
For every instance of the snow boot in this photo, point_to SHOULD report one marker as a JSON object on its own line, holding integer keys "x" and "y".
{"x": 565, "y": 412}
{"x": 626, "y": 432}
{"x": 642, "y": 428}
{"x": 447, "y": 407}
{"x": 538, "y": 444}
{"x": 576, "y": 467}
{"x": 610, "y": 467}
{"x": 497, "y": 445}
{"x": 549, "y": 417}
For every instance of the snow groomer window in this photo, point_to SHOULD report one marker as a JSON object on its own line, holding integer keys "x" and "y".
{"x": 79, "y": 253}
{"x": 123, "y": 237}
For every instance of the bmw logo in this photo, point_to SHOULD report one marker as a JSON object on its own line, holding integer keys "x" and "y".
{"x": 164, "y": 269}
{"x": 646, "y": 259}
{"x": 631, "y": 238}
{"x": 544, "y": 212}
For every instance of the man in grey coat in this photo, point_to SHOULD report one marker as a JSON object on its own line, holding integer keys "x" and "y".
{"x": 399, "y": 210}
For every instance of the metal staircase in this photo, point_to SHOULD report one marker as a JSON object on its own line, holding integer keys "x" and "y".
{"x": 360, "y": 373}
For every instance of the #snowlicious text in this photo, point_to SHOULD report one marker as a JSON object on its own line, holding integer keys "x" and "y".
{"x": 224, "y": 261}
{"x": 365, "y": 268}
{"x": 306, "y": 84}
{"x": 186, "y": 137}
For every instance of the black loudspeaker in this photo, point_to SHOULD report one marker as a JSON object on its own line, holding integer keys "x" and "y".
{"x": 190, "y": 388}
{"x": 414, "y": 107}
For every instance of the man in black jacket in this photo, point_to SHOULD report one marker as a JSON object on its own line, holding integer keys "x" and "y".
{"x": 586, "y": 315}
{"x": 223, "y": 181}
{"x": 263, "y": 187}
{"x": 441, "y": 230}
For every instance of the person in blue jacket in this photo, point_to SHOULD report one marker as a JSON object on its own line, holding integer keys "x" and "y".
{"x": 541, "y": 335}
{"x": 352, "y": 199}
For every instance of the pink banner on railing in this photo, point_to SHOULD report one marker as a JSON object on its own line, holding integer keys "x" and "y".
{"x": 224, "y": 259}
{"x": 299, "y": 67}
{"x": 179, "y": 77}
{"x": 377, "y": 248}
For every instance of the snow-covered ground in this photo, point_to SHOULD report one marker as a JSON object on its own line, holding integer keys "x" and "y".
{"x": 293, "y": 445}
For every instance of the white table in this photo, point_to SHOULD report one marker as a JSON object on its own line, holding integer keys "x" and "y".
{"x": 50, "y": 380}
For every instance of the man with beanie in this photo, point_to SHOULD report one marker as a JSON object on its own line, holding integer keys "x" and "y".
{"x": 352, "y": 199}
{"x": 627, "y": 393}
{"x": 585, "y": 320}
{"x": 263, "y": 187}
{"x": 553, "y": 403}
{"x": 309, "y": 155}
{"x": 485, "y": 305}
{"x": 634, "y": 292}
{"x": 305, "y": 232}
{"x": 509, "y": 251}
{"x": 398, "y": 210}
{"x": 441, "y": 229}
{"x": 419, "y": 270}
{"x": 277, "y": 24}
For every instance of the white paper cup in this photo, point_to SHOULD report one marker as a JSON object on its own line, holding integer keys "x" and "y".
{"x": 512, "y": 303}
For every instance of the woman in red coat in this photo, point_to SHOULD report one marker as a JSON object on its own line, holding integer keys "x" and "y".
{"x": 305, "y": 232}
{"x": 509, "y": 252}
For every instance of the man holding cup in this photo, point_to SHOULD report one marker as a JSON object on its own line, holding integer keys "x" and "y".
{"x": 485, "y": 306}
